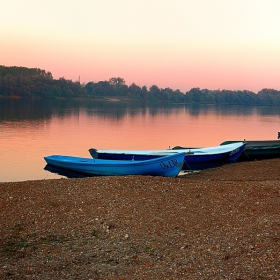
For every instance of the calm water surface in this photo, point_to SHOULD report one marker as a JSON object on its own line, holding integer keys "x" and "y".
{"x": 30, "y": 130}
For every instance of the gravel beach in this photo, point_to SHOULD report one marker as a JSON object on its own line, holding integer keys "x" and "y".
{"x": 222, "y": 223}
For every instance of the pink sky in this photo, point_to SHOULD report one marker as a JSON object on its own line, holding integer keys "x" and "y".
{"x": 181, "y": 44}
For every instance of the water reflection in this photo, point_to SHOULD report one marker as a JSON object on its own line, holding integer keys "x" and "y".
{"x": 29, "y": 109}
{"x": 65, "y": 172}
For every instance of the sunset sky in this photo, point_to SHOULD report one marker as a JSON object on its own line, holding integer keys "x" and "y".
{"x": 180, "y": 44}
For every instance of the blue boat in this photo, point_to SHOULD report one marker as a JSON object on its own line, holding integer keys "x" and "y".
{"x": 167, "y": 166}
{"x": 195, "y": 158}
{"x": 258, "y": 149}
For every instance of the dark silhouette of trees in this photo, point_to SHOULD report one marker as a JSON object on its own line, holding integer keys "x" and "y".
{"x": 135, "y": 91}
{"x": 269, "y": 96}
{"x": 36, "y": 83}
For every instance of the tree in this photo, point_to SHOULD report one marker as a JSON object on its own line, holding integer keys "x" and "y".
{"x": 155, "y": 92}
{"x": 89, "y": 87}
{"x": 9, "y": 84}
{"x": 116, "y": 81}
{"x": 118, "y": 85}
{"x": 135, "y": 90}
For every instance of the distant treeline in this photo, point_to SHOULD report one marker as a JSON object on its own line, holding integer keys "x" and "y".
{"x": 37, "y": 83}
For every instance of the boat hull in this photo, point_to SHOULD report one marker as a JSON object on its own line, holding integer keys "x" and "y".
{"x": 168, "y": 166}
{"x": 259, "y": 149}
{"x": 195, "y": 159}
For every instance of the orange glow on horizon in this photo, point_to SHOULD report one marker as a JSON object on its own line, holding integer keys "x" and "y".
{"x": 189, "y": 44}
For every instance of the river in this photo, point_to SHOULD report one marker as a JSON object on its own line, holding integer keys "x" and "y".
{"x": 32, "y": 129}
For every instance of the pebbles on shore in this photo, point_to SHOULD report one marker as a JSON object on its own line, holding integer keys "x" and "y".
{"x": 221, "y": 223}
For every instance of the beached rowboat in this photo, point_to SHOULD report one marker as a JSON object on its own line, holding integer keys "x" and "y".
{"x": 195, "y": 159}
{"x": 167, "y": 166}
{"x": 258, "y": 149}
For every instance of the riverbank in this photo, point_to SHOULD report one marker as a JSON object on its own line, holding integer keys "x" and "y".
{"x": 221, "y": 223}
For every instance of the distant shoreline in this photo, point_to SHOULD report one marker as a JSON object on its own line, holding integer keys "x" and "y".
{"x": 133, "y": 101}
